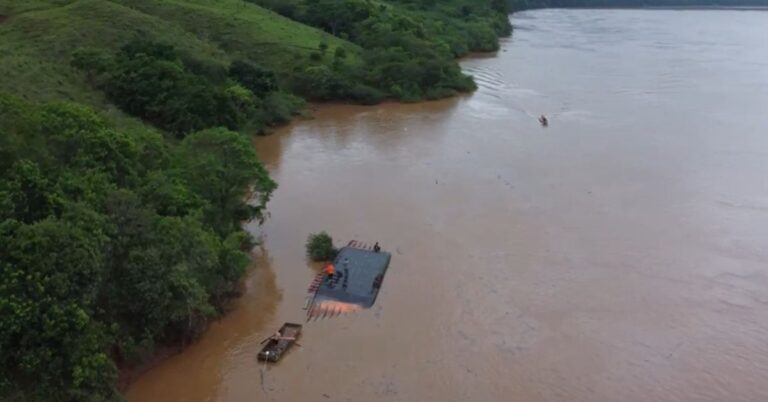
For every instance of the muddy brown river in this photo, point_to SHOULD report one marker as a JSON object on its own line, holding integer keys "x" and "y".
{"x": 619, "y": 254}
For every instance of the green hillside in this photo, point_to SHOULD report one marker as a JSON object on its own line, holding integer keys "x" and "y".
{"x": 411, "y": 40}
{"x": 37, "y": 39}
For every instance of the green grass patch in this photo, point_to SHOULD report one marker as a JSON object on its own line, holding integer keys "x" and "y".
{"x": 39, "y": 36}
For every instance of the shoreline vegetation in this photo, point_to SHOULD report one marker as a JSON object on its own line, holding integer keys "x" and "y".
{"x": 127, "y": 167}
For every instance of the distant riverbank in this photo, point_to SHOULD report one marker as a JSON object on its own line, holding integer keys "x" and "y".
{"x": 519, "y": 5}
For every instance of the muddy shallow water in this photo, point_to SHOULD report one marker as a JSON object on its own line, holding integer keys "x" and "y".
{"x": 617, "y": 255}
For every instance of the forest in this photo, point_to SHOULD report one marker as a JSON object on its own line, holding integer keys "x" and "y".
{"x": 112, "y": 242}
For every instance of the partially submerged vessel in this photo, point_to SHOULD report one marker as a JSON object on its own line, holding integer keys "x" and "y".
{"x": 280, "y": 342}
{"x": 358, "y": 274}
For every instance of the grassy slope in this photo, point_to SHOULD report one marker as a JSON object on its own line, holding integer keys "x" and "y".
{"x": 241, "y": 28}
{"x": 37, "y": 41}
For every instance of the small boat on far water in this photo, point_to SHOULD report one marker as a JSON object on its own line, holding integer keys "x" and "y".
{"x": 543, "y": 120}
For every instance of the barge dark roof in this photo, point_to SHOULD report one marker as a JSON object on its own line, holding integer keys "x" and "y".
{"x": 360, "y": 271}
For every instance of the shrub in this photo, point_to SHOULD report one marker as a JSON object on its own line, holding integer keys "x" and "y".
{"x": 94, "y": 62}
{"x": 340, "y": 53}
{"x": 320, "y": 247}
{"x": 439, "y": 93}
{"x": 365, "y": 94}
{"x": 259, "y": 80}
{"x": 314, "y": 82}
{"x": 280, "y": 106}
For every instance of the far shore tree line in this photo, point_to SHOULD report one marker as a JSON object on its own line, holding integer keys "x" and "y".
{"x": 518, "y": 5}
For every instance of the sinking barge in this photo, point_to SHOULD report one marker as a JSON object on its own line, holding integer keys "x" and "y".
{"x": 359, "y": 271}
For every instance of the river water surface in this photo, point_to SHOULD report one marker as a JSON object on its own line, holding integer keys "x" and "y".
{"x": 621, "y": 254}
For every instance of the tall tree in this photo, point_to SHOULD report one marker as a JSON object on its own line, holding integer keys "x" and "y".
{"x": 221, "y": 166}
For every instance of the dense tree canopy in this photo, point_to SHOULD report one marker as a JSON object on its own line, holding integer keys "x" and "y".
{"x": 112, "y": 242}
{"x": 409, "y": 46}
{"x": 150, "y": 81}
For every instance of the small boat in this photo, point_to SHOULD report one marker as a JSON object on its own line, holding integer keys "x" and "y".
{"x": 543, "y": 120}
{"x": 280, "y": 342}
